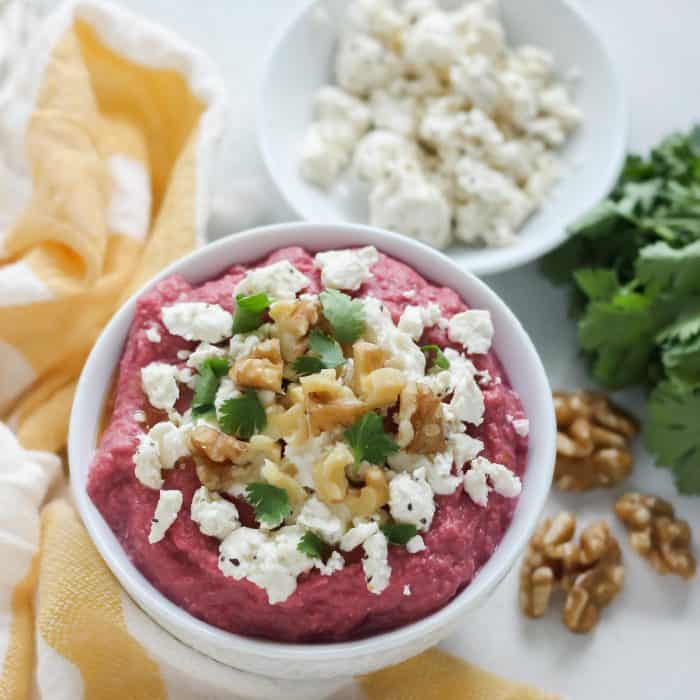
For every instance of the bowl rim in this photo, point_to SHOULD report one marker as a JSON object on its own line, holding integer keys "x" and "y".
{"x": 169, "y": 615}
{"x": 519, "y": 254}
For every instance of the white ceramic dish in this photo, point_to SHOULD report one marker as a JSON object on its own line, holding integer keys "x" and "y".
{"x": 300, "y": 60}
{"x": 521, "y": 363}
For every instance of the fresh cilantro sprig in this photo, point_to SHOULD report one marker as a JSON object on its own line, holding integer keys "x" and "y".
{"x": 325, "y": 353}
{"x": 311, "y": 545}
{"x": 368, "y": 441}
{"x": 634, "y": 265}
{"x": 399, "y": 533}
{"x": 271, "y": 504}
{"x": 345, "y": 314}
{"x": 249, "y": 312}
{"x": 242, "y": 416}
{"x": 210, "y": 373}
{"x": 439, "y": 360}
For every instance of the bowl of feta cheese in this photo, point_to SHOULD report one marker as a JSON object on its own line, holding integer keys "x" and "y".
{"x": 312, "y": 461}
{"x": 481, "y": 128}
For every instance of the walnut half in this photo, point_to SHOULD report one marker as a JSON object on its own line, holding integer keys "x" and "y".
{"x": 214, "y": 454}
{"x": 590, "y": 572}
{"x": 593, "y": 441}
{"x": 657, "y": 534}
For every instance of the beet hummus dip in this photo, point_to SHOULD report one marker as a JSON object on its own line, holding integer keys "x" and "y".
{"x": 374, "y": 509}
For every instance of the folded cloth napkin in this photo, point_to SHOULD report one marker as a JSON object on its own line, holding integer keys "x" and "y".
{"x": 107, "y": 132}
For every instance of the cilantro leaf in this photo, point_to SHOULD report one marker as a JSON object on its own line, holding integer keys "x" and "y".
{"x": 399, "y": 533}
{"x": 210, "y": 373}
{"x": 671, "y": 433}
{"x": 368, "y": 440}
{"x": 327, "y": 354}
{"x": 249, "y": 312}
{"x": 271, "y": 504}
{"x": 597, "y": 283}
{"x": 440, "y": 360}
{"x": 242, "y": 416}
{"x": 345, "y": 314}
{"x": 311, "y": 545}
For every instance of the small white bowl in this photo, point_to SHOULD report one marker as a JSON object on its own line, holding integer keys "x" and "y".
{"x": 299, "y": 661}
{"x": 301, "y": 60}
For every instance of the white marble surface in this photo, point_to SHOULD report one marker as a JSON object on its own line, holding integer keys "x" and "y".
{"x": 646, "y": 646}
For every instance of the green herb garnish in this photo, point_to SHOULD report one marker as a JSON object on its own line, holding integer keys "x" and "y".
{"x": 634, "y": 262}
{"x": 440, "y": 360}
{"x": 242, "y": 416}
{"x": 249, "y": 312}
{"x": 210, "y": 373}
{"x": 271, "y": 504}
{"x": 368, "y": 440}
{"x": 399, "y": 533}
{"x": 325, "y": 353}
{"x": 311, "y": 545}
{"x": 345, "y": 314}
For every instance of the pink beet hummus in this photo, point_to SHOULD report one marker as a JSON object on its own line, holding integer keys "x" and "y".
{"x": 183, "y": 566}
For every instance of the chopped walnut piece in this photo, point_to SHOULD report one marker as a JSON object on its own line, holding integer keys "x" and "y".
{"x": 330, "y": 480}
{"x": 593, "y": 441}
{"x": 371, "y": 497}
{"x": 590, "y": 571}
{"x": 382, "y": 387}
{"x": 262, "y": 369}
{"x": 366, "y": 358}
{"x": 657, "y": 534}
{"x": 293, "y": 320}
{"x": 428, "y": 423}
{"x": 214, "y": 453}
{"x": 408, "y": 402}
{"x": 328, "y": 403}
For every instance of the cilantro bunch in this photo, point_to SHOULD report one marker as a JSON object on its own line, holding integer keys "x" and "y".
{"x": 634, "y": 261}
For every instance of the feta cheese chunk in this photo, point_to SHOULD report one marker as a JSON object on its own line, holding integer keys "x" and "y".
{"x": 358, "y": 535}
{"x": 473, "y": 329}
{"x": 464, "y": 448}
{"x": 415, "y": 545}
{"x": 438, "y": 472}
{"x": 147, "y": 464}
{"x": 362, "y": 64}
{"x": 169, "y": 504}
{"x": 204, "y": 351}
{"x": 415, "y": 319}
{"x": 171, "y": 441}
{"x": 467, "y": 402}
{"x": 522, "y": 426}
{"x": 407, "y": 590}
{"x": 502, "y": 480}
{"x": 159, "y": 383}
{"x": 325, "y": 151}
{"x": 376, "y": 563}
{"x": 215, "y": 515}
{"x": 153, "y": 334}
{"x": 346, "y": 269}
{"x": 431, "y": 41}
{"x": 381, "y": 152}
{"x": 280, "y": 280}
{"x": 335, "y": 563}
{"x": 317, "y": 517}
{"x": 411, "y": 500}
{"x": 335, "y": 105}
{"x": 196, "y": 320}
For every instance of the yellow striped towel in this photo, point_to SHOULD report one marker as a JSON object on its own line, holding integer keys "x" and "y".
{"x": 117, "y": 122}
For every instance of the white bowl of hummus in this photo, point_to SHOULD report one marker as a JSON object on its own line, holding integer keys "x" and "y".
{"x": 312, "y": 462}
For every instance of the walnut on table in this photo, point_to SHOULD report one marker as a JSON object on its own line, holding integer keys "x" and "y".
{"x": 655, "y": 532}
{"x": 593, "y": 441}
{"x": 590, "y": 572}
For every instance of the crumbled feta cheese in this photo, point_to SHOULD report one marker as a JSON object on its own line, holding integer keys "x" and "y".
{"x": 153, "y": 334}
{"x": 317, "y": 517}
{"x": 346, "y": 269}
{"x": 431, "y": 41}
{"x": 395, "y": 113}
{"x": 358, "y": 535}
{"x": 242, "y": 344}
{"x": 171, "y": 442}
{"x": 377, "y": 17}
{"x": 380, "y": 153}
{"x": 169, "y": 504}
{"x": 335, "y": 105}
{"x": 335, "y": 563}
{"x": 411, "y": 499}
{"x": 159, "y": 382}
{"x": 196, "y": 320}
{"x": 280, "y": 280}
{"x": 415, "y": 545}
{"x": 407, "y": 590}
{"x": 325, "y": 151}
{"x": 503, "y": 481}
{"x": 215, "y": 515}
{"x": 362, "y": 64}
{"x": 204, "y": 351}
{"x": 473, "y": 329}
{"x": 147, "y": 464}
{"x": 415, "y": 319}
{"x": 475, "y": 78}
{"x": 375, "y": 564}
{"x": 402, "y": 352}
{"x": 464, "y": 448}
{"x": 408, "y": 203}
{"x": 522, "y": 426}
{"x": 269, "y": 560}
{"x": 305, "y": 454}
{"x": 438, "y": 472}
{"x": 467, "y": 400}
{"x": 186, "y": 376}
{"x": 183, "y": 354}
{"x": 139, "y": 416}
